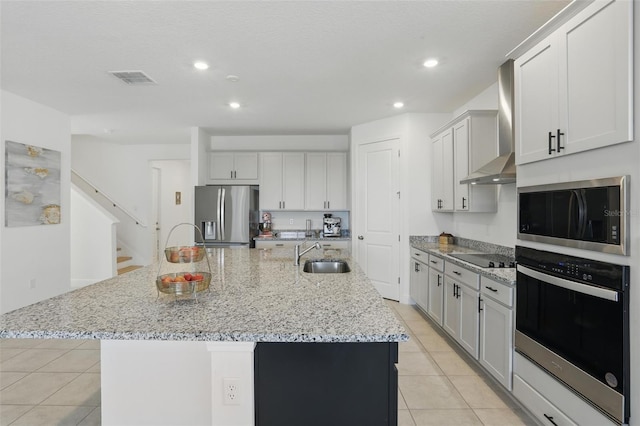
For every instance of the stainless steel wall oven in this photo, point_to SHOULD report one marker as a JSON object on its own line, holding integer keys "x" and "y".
{"x": 572, "y": 319}
{"x": 589, "y": 214}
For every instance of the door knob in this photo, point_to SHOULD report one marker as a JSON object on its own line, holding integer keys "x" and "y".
{"x": 360, "y": 237}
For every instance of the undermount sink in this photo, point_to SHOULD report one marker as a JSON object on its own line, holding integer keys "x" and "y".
{"x": 326, "y": 266}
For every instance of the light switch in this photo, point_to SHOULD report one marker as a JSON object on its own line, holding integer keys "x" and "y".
{"x": 178, "y": 198}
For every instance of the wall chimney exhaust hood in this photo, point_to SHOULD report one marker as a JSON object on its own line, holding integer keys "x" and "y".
{"x": 502, "y": 169}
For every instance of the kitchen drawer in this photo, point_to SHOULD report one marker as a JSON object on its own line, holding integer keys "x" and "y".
{"x": 436, "y": 263}
{"x": 461, "y": 274}
{"x": 334, "y": 244}
{"x": 497, "y": 291}
{"x": 419, "y": 255}
{"x": 542, "y": 409}
{"x": 277, "y": 244}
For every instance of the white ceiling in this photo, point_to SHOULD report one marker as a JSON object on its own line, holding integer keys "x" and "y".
{"x": 305, "y": 67}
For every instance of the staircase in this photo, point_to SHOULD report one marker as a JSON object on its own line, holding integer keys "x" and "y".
{"x": 124, "y": 263}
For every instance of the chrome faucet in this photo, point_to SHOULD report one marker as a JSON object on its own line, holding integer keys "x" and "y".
{"x": 298, "y": 255}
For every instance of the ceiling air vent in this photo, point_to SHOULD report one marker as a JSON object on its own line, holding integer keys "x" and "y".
{"x": 133, "y": 77}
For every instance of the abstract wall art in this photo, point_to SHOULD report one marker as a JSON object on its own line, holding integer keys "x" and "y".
{"x": 32, "y": 185}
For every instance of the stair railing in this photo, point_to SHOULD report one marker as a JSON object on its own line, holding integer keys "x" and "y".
{"x": 104, "y": 195}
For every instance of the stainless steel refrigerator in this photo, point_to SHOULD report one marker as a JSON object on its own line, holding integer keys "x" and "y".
{"x": 227, "y": 215}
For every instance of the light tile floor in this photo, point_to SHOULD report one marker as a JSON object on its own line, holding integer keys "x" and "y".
{"x": 57, "y": 382}
{"x": 440, "y": 385}
{"x": 49, "y": 382}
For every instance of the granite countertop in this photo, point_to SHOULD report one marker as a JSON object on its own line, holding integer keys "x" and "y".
{"x": 255, "y": 295}
{"x": 504, "y": 275}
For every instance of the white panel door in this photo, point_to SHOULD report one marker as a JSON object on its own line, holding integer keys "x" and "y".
{"x": 377, "y": 215}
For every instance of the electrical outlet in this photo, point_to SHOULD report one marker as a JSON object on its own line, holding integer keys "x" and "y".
{"x": 290, "y": 221}
{"x": 231, "y": 388}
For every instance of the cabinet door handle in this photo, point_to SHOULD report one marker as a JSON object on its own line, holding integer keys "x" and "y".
{"x": 551, "y": 149}
{"x": 283, "y": 204}
{"x": 454, "y": 291}
{"x": 439, "y": 276}
{"x": 279, "y": 245}
{"x": 360, "y": 237}
{"x": 456, "y": 272}
{"x": 550, "y": 418}
{"x": 491, "y": 288}
{"x": 416, "y": 268}
{"x": 463, "y": 200}
{"x": 328, "y": 204}
{"x": 231, "y": 174}
{"x": 558, "y": 134}
{"x": 479, "y": 304}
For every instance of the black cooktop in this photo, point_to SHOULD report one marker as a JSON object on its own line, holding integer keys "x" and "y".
{"x": 486, "y": 260}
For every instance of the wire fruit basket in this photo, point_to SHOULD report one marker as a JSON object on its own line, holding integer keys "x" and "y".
{"x": 189, "y": 282}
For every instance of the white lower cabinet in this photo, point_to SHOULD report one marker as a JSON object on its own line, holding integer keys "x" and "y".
{"x": 419, "y": 281}
{"x": 476, "y": 311}
{"x": 542, "y": 409}
{"x": 435, "y": 289}
{"x": 549, "y": 400}
{"x": 461, "y": 307}
{"x": 496, "y": 330}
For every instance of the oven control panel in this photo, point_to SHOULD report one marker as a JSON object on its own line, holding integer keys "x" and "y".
{"x": 574, "y": 268}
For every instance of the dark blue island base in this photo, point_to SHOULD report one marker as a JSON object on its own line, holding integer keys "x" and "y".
{"x": 320, "y": 384}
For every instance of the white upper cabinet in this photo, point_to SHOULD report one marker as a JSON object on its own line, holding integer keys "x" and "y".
{"x": 281, "y": 181}
{"x": 475, "y": 144}
{"x": 573, "y": 89}
{"x": 442, "y": 172}
{"x": 233, "y": 166}
{"x": 326, "y": 181}
{"x": 459, "y": 148}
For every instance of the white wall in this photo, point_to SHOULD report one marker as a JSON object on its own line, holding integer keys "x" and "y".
{"x": 175, "y": 177}
{"x": 487, "y": 99}
{"x": 200, "y": 145}
{"x": 123, "y": 172}
{"x": 93, "y": 240}
{"x": 38, "y": 254}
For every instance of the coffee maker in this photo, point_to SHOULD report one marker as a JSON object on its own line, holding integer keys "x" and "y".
{"x": 331, "y": 225}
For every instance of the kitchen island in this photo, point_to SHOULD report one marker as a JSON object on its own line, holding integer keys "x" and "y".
{"x": 317, "y": 348}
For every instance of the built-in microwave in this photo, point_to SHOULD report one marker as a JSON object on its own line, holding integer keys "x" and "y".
{"x": 588, "y": 214}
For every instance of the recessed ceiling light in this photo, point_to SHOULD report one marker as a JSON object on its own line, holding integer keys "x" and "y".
{"x": 201, "y": 65}
{"x": 430, "y": 63}
{"x": 232, "y": 78}
{"x": 234, "y": 105}
{"x": 398, "y": 104}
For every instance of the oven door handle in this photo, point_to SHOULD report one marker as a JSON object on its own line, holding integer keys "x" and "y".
{"x": 599, "y": 292}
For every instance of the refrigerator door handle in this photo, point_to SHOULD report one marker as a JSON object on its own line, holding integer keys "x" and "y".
{"x": 223, "y": 214}
{"x": 218, "y": 215}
